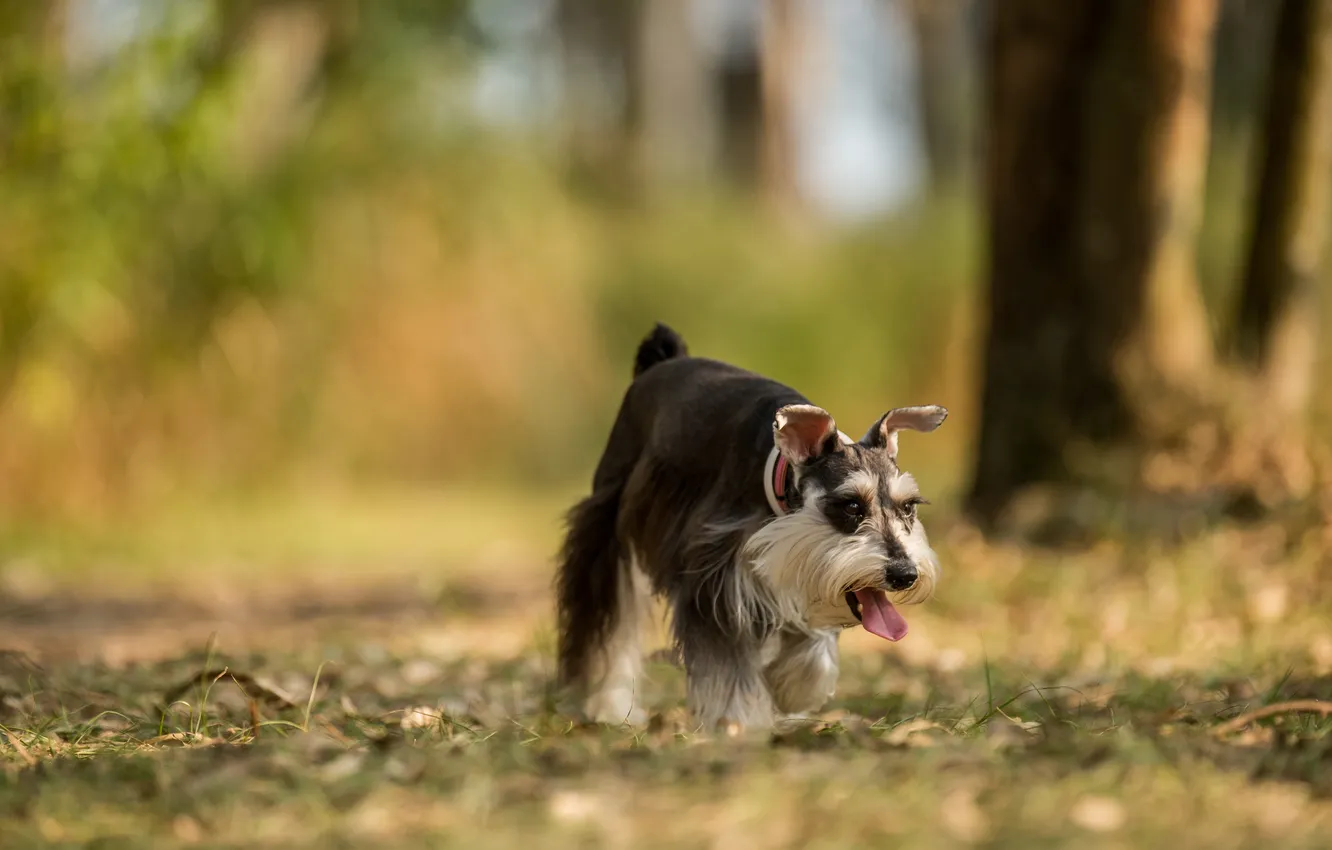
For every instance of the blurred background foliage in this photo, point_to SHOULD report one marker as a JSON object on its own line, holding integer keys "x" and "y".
{"x": 257, "y": 244}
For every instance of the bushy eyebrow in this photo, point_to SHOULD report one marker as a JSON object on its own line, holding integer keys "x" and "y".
{"x": 902, "y": 487}
{"x": 860, "y": 484}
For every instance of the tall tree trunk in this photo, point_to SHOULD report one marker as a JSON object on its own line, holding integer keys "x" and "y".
{"x": 600, "y": 42}
{"x": 1276, "y": 328}
{"x": 1146, "y": 158}
{"x": 678, "y": 136}
{"x": 1096, "y": 139}
{"x": 740, "y": 95}
{"x": 1036, "y": 81}
{"x": 945, "y": 77}
{"x": 782, "y": 51}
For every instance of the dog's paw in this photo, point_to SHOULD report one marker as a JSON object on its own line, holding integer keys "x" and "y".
{"x": 614, "y": 710}
{"x": 632, "y": 717}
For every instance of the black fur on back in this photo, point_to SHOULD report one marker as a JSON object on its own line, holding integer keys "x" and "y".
{"x": 659, "y": 346}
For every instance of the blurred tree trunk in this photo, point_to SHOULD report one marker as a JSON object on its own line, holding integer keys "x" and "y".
{"x": 782, "y": 51}
{"x": 1146, "y": 162}
{"x": 1097, "y": 139}
{"x": 601, "y": 42}
{"x": 687, "y": 113}
{"x": 1276, "y": 328}
{"x": 739, "y": 92}
{"x": 678, "y": 136}
{"x": 1240, "y": 70}
{"x": 945, "y": 78}
{"x": 1033, "y": 361}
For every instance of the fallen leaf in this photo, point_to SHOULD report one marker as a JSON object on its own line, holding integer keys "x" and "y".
{"x": 573, "y": 806}
{"x": 187, "y": 829}
{"x": 962, "y": 817}
{"x": 909, "y": 733}
{"x": 1098, "y": 814}
{"x": 420, "y": 717}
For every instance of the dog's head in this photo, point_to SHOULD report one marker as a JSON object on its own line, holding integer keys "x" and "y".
{"x": 855, "y": 546}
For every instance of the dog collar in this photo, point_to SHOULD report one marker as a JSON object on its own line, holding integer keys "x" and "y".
{"x": 774, "y": 478}
{"x": 774, "y": 481}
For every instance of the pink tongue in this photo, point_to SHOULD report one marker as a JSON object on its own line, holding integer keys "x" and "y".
{"x": 878, "y": 615}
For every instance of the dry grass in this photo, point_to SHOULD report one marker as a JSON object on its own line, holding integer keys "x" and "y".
{"x": 1122, "y": 696}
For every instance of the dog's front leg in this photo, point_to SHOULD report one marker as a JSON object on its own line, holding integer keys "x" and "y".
{"x": 724, "y": 674}
{"x": 803, "y": 676}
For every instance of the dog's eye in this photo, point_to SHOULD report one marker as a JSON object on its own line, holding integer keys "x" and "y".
{"x": 853, "y": 508}
{"x": 910, "y": 505}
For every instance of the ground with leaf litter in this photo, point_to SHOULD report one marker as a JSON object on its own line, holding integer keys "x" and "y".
{"x": 1120, "y": 696}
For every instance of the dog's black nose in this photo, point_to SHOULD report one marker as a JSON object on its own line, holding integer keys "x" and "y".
{"x": 901, "y": 576}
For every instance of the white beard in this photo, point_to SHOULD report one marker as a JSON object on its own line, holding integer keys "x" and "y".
{"x": 808, "y": 566}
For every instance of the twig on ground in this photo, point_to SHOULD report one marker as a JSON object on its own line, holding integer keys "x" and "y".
{"x": 243, "y": 680}
{"x": 14, "y": 741}
{"x": 1323, "y": 707}
{"x": 334, "y": 732}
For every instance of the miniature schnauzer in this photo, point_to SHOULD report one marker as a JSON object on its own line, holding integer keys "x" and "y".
{"x": 766, "y": 529}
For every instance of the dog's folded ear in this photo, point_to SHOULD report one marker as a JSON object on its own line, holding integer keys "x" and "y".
{"x": 883, "y": 435}
{"x": 803, "y": 432}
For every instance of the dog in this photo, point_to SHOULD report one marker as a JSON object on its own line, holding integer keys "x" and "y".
{"x": 766, "y": 529}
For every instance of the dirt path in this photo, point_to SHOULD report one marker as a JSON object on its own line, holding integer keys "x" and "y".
{"x": 153, "y": 624}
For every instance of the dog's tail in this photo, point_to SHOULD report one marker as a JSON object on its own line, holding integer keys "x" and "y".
{"x": 659, "y": 346}
{"x": 588, "y": 584}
